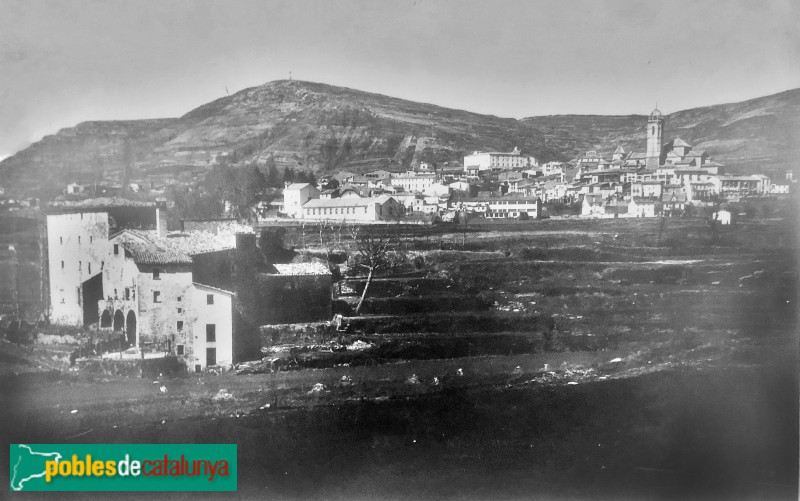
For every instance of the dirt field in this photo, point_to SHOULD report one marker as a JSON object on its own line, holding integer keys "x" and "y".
{"x": 604, "y": 366}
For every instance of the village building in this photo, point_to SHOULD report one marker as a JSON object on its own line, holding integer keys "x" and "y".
{"x": 593, "y": 205}
{"x": 644, "y": 207}
{"x": 414, "y": 182}
{"x": 507, "y": 207}
{"x": 77, "y": 245}
{"x": 381, "y": 208}
{"x": 480, "y": 161}
{"x": 674, "y": 203}
{"x": 295, "y": 195}
{"x": 551, "y": 168}
{"x": 646, "y": 189}
{"x": 212, "y": 332}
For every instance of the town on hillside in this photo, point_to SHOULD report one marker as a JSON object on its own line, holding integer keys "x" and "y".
{"x": 499, "y": 315}
{"x": 152, "y": 282}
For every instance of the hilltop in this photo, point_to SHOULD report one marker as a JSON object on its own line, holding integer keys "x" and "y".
{"x": 319, "y": 127}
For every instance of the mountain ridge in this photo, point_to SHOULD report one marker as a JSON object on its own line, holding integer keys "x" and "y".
{"x": 320, "y": 127}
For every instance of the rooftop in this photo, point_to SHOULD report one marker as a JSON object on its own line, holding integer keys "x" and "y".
{"x": 152, "y": 254}
{"x": 302, "y": 269}
{"x": 345, "y": 202}
{"x": 98, "y": 204}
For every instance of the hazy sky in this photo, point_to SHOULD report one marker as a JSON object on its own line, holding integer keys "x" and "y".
{"x": 66, "y": 61}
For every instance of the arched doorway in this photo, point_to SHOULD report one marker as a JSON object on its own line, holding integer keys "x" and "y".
{"x": 105, "y": 319}
{"x": 119, "y": 321}
{"x": 130, "y": 329}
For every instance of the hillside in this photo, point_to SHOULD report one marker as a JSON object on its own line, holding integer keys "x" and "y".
{"x": 319, "y": 127}
{"x": 755, "y": 135}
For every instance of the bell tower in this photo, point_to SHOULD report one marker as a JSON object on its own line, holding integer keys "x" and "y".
{"x": 655, "y": 128}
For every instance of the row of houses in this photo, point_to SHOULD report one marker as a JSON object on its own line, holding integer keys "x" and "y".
{"x": 668, "y": 175}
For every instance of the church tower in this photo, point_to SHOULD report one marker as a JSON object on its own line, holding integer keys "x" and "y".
{"x": 655, "y": 127}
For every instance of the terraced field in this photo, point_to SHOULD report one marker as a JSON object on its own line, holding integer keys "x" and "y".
{"x": 597, "y": 364}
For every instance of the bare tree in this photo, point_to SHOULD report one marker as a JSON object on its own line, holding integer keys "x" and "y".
{"x": 464, "y": 218}
{"x": 375, "y": 254}
{"x": 333, "y": 240}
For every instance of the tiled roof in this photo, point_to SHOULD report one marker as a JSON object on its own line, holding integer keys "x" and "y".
{"x": 152, "y": 254}
{"x": 300, "y": 269}
{"x": 106, "y": 202}
{"x": 297, "y": 186}
{"x": 680, "y": 142}
{"x": 204, "y": 286}
{"x": 345, "y": 202}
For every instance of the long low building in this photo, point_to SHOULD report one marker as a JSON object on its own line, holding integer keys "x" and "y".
{"x": 382, "y": 208}
{"x": 505, "y": 207}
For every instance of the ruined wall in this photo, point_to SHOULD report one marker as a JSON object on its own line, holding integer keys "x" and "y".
{"x": 215, "y": 269}
{"x": 293, "y": 299}
{"x": 22, "y": 278}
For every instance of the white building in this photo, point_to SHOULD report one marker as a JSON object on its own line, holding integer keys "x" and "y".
{"x": 212, "y": 330}
{"x": 481, "y": 161}
{"x": 504, "y": 207}
{"x": 551, "y": 168}
{"x": 77, "y": 246}
{"x": 646, "y": 189}
{"x": 295, "y": 195}
{"x": 513, "y": 207}
{"x": 382, "y": 208}
{"x": 414, "y": 182}
{"x": 644, "y": 207}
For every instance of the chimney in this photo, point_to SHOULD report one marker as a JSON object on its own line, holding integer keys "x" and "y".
{"x": 161, "y": 218}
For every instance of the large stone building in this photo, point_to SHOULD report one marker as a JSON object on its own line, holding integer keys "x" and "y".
{"x": 77, "y": 247}
{"x": 381, "y": 208}
{"x": 490, "y": 160}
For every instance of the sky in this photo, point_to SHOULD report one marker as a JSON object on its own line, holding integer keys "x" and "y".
{"x": 64, "y": 62}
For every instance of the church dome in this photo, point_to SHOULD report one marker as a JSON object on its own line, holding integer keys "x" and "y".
{"x": 656, "y": 113}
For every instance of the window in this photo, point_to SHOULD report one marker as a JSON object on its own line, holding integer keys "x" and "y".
{"x": 61, "y": 240}
{"x": 91, "y": 238}
{"x": 79, "y": 239}
{"x": 156, "y": 296}
{"x": 179, "y": 299}
{"x": 89, "y": 267}
{"x": 179, "y": 349}
{"x": 210, "y": 299}
{"x": 211, "y": 333}
{"x": 116, "y": 249}
{"x": 180, "y": 325}
{"x": 180, "y": 310}
{"x": 79, "y": 265}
